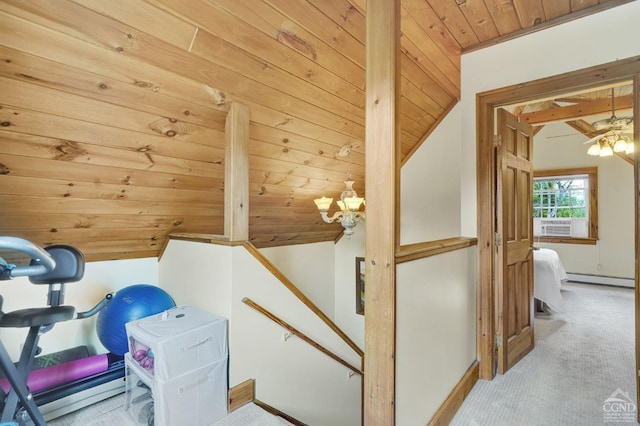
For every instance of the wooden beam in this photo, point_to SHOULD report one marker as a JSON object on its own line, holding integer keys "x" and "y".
{"x": 236, "y": 171}
{"x": 577, "y": 111}
{"x": 382, "y": 143}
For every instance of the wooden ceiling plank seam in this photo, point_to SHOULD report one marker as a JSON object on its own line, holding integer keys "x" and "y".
{"x": 555, "y": 8}
{"x": 308, "y": 171}
{"x": 317, "y": 114}
{"x": 432, "y": 26}
{"x": 412, "y": 117}
{"x": 317, "y": 186}
{"x": 286, "y": 35}
{"x": 309, "y": 191}
{"x": 27, "y": 164}
{"x": 119, "y": 255}
{"x": 449, "y": 65}
{"x": 413, "y": 54}
{"x": 350, "y": 134}
{"x": 430, "y": 89}
{"x": 20, "y": 120}
{"x": 307, "y": 30}
{"x": 148, "y": 18}
{"x": 273, "y": 178}
{"x": 79, "y": 22}
{"x": 504, "y": 16}
{"x": 452, "y": 17}
{"x": 17, "y": 167}
{"x": 284, "y": 211}
{"x": 269, "y": 190}
{"x": 102, "y": 163}
{"x": 547, "y": 24}
{"x": 428, "y": 106}
{"x": 479, "y": 19}
{"x": 83, "y": 222}
{"x": 360, "y": 5}
{"x": 47, "y": 187}
{"x": 29, "y": 13}
{"x": 15, "y": 204}
{"x": 414, "y": 112}
{"x": 286, "y": 139}
{"x": 351, "y": 10}
{"x": 283, "y": 167}
{"x": 140, "y": 45}
{"x": 54, "y": 75}
{"x": 250, "y": 42}
{"x": 58, "y": 236}
{"x": 268, "y": 149}
{"x": 344, "y": 99}
{"x": 344, "y": 14}
{"x": 530, "y": 12}
{"x": 51, "y": 45}
{"x": 63, "y": 104}
{"x": 262, "y": 203}
{"x": 82, "y": 148}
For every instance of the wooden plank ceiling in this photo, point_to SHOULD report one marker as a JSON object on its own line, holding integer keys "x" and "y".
{"x": 112, "y": 113}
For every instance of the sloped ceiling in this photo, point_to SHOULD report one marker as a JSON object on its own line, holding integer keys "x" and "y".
{"x": 112, "y": 113}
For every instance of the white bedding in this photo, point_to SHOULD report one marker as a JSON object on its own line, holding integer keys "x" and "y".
{"x": 548, "y": 274}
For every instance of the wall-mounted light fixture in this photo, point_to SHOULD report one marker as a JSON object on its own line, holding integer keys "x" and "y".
{"x": 349, "y": 204}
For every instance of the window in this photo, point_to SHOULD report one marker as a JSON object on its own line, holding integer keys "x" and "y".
{"x": 565, "y": 205}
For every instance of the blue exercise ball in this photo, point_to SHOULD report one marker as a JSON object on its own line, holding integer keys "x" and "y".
{"x": 129, "y": 304}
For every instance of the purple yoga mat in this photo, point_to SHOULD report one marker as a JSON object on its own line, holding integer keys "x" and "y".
{"x": 48, "y": 377}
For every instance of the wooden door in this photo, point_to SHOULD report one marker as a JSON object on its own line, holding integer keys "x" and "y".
{"x": 514, "y": 240}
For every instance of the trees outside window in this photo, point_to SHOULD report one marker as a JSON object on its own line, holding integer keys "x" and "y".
{"x": 565, "y": 205}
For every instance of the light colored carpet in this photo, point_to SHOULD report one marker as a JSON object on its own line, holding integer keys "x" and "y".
{"x": 581, "y": 358}
{"x": 111, "y": 412}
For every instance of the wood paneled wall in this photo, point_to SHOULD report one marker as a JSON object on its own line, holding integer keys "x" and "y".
{"x": 112, "y": 116}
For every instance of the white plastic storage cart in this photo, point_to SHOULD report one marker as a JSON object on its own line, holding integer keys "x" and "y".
{"x": 176, "y": 368}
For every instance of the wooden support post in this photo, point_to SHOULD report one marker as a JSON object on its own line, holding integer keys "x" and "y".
{"x": 382, "y": 181}
{"x": 236, "y": 174}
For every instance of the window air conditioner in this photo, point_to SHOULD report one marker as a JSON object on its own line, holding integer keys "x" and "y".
{"x": 555, "y": 227}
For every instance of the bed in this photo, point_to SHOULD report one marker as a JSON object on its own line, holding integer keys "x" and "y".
{"x": 548, "y": 274}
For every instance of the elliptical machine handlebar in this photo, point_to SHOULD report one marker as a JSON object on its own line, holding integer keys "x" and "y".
{"x": 46, "y": 263}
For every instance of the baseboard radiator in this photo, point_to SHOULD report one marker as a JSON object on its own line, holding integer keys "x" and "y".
{"x": 602, "y": 280}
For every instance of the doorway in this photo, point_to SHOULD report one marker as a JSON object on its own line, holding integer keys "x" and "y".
{"x": 488, "y": 311}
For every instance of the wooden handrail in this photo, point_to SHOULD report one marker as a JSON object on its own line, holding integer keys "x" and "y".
{"x": 301, "y": 335}
{"x": 301, "y": 296}
{"x": 430, "y": 248}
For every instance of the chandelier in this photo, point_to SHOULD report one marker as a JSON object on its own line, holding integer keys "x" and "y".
{"x": 349, "y": 214}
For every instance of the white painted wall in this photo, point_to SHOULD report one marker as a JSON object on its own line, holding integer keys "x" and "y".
{"x": 99, "y": 279}
{"x": 311, "y": 268}
{"x": 559, "y": 146}
{"x": 199, "y": 275}
{"x": 436, "y": 331}
{"x": 290, "y": 375}
{"x": 588, "y": 41}
{"x": 430, "y": 182}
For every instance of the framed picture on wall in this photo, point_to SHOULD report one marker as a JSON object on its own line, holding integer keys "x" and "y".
{"x": 360, "y": 285}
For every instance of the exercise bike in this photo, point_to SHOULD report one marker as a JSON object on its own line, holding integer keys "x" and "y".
{"x": 54, "y": 266}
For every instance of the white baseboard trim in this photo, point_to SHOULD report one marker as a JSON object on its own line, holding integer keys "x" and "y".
{"x": 597, "y": 279}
